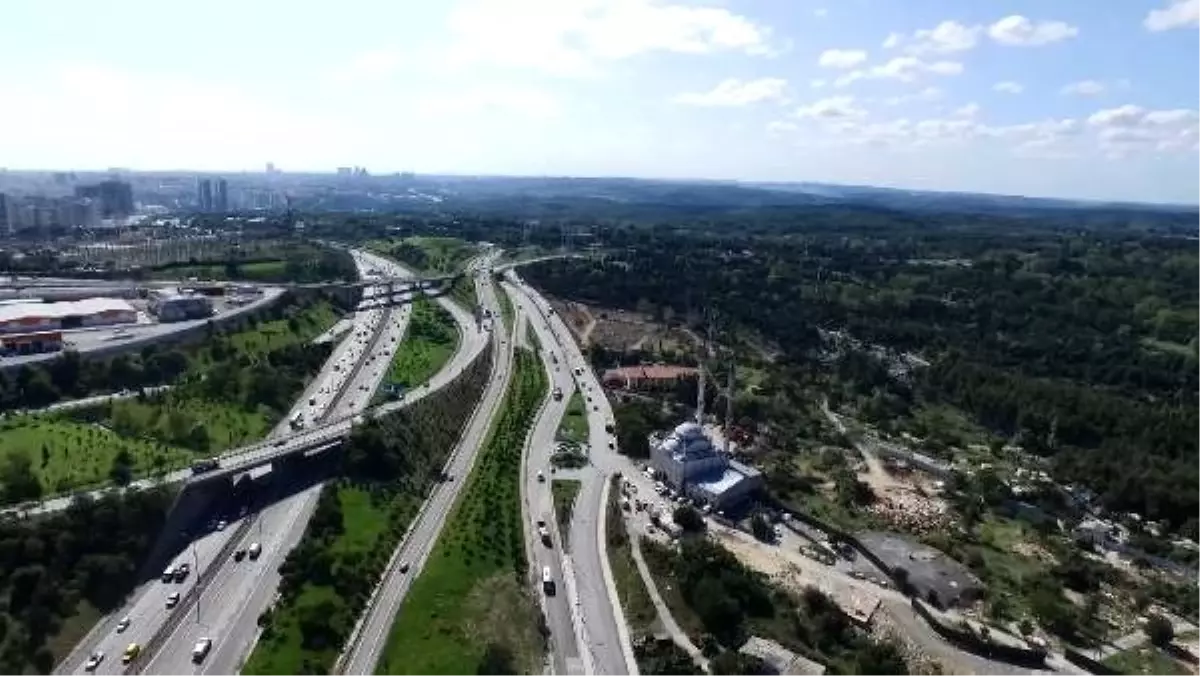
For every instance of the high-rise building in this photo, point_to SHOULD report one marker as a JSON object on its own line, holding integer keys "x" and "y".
{"x": 114, "y": 198}
{"x": 204, "y": 194}
{"x": 221, "y": 197}
{"x": 270, "y": 167}
{"x": 7, "y": 214}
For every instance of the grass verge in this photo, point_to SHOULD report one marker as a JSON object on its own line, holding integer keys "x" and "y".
{"x": 1145, "y": 659}
{"x": 574, "y": 425}
{"x": 564, "y": 492}
{"x": 471, "y": 608}
{"x": 430, "y": 341}
{"x": 390, "y": 467}
{"x": 636, "y": 605}
{"x": 507, "y": 313}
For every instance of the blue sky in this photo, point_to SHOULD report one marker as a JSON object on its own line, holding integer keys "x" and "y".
{"x": 1073, "y": 98}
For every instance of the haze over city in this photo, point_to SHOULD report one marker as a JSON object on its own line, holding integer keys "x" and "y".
{"x": 1069, "y": 99}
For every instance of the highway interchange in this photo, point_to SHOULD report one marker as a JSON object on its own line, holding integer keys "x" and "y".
{"x": 223, "y": 597}
{"x": 236, "y": 592}
{"x": 370, "y": 636}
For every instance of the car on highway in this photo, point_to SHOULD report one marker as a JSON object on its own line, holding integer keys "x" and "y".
{"x": 94, "y": 661}
{"x": 255, "y": 551}
{"x": 239, "y": 554}
{"x": 221, "y": 524}
{"x": 182, "y": 571}
{"x": 404, "y": 566}
{"x": 541, "y": 477}
{"x": 172, "y": 599}
{"x": 201, "y": 649}
{"x": 123, "y": 624}
{"x": 168, "y": 574}
{"x": 131, "y": 652}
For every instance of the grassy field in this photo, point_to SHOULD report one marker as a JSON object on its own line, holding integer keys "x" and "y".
{"x": 472, "y": 594}
{"x": 259, "y": 271}
{"x": 506, "y": 308}
{"x": 1145, "y": 659}
{"x": 441, "y": 254}
{"x": 74, "y": 449}
{"x": 574, "y": 425}
{"x": 564, "y": 492}
{"x": 636, "y": 605}
{"x": 463, "y": 292}
{"x": 170, "y": 416}
{"x": 273, "y": 335}
{"x": 364, "y": 525}
{"x": 66, "y": 454}
{"x": 428, "y": 344}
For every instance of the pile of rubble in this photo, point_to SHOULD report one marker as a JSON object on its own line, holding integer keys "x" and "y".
{"x": 912, "y": 513}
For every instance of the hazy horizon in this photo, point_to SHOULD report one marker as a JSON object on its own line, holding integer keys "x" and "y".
{"x": 1011, "y": 98}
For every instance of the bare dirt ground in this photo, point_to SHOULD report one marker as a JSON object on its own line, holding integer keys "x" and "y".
{"x": 621, "y": 329}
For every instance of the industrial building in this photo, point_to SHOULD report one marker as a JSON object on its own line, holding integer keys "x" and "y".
{"x": 170, "y": 305}
{"x": 37, "y": 316}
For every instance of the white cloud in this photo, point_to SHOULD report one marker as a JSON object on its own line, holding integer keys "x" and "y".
{"x": 1018, "y": 31}
{"x": 945, "y": 38}
{"x": 817, "y": 83}
{"x": 1084, "y": 88}
{"x": 1124, "y": 116}
{"x": 926, "y": 94}
{"x": 571, "y": 37}
{"x": 369, "y": 65}
{"x": 1177, "y": 14}
{"x": 153, "y": 121}
{"x": 969, "y": 110}
{"x": 832, "y": 108}
{"x": 781, "y": 127}
{"x": 820, "y": 12}
{"x": 1131, "y": 128}
{"x": 492, "y": 99}
{"x": 1009, "y": 87}
{"x": 892, "y": 41}
{"x": 841, "y": 58}
{"x": 734, "y": 92}
{"x": 903, "y": 68}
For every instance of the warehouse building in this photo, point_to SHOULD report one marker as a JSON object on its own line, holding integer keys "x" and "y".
{"x": 32, "y": 317}
{"x": 172, "y": 306}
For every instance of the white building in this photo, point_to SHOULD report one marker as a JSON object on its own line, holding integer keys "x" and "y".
{"x": 688, "y": 461}
{"x": 26, "y": 317}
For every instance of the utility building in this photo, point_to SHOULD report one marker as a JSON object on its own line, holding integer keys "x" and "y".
{"x": 172, "y": 306}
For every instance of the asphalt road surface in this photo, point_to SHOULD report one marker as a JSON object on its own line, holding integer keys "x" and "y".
{"x": 241, "y": 591}
{"x": 370, "y": 637}
{"x": 539, "y": 503}
{"x": 221, "y": 610}
{"x": 596, "y": 603}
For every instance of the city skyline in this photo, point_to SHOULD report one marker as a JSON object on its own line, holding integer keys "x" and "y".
{"x": 1008, "y": 98}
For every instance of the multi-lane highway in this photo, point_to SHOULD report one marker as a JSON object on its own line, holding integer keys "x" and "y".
{"x": 538, "y": 501}
{"x": 370, "y": 636}
{"x": 241, "y": 590}
{"x": 589, "y": 581}
{"x": 235, "y": 592}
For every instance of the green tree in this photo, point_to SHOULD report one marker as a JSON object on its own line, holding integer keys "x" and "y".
{"x": 1159, "y": 630}
{"x": 17, "y": 478}
{"x": 688, "y": 518}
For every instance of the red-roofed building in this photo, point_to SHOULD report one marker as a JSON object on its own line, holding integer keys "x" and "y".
{"x": 651, "y": 376}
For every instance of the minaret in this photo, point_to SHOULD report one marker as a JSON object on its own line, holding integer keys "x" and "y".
{"x": 729, "y": 390}
{"x": 700, "y": 397}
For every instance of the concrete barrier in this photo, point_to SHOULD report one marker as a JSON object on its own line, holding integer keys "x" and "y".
{"x": 971, "y": 642}
{"x": 1086, "y": 663}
